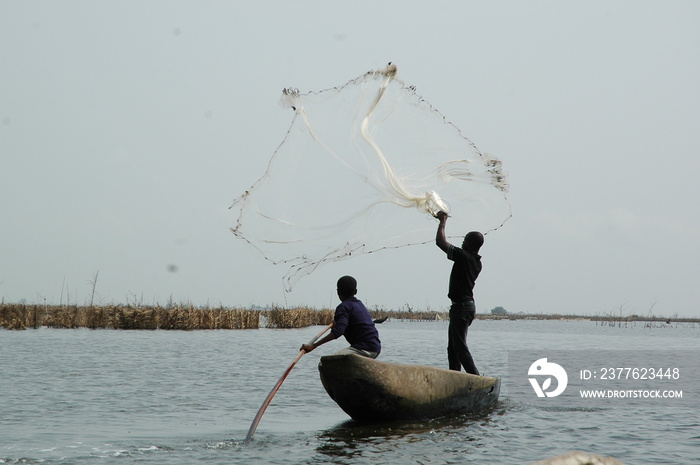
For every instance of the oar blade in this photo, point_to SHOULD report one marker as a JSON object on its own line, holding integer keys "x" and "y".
{"x": 276, "y": 387}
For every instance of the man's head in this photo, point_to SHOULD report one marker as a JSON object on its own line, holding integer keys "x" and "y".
{"x": 473, "y": 241}
{"x": 347, "y": 287}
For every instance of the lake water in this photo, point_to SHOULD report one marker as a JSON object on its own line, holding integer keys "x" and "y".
{"x": 122, "y": 397}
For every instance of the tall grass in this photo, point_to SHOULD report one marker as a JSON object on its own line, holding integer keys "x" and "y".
{"x": 188, "y": 317}
{"x": 297, "y": 317}
{"x": 178, "y": 317}
{"x": 20, "y": 316}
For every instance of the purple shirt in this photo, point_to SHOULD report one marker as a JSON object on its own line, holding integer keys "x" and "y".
{"x": 352, "y": 320}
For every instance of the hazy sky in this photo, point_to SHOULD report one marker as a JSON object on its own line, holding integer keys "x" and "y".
{"x": 127, "y": 128}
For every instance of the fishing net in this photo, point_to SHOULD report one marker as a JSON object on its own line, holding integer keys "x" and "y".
{"x": 363, "y": 168}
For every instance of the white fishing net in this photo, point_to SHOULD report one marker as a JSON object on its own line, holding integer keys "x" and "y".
{"x": 363, "y": 168}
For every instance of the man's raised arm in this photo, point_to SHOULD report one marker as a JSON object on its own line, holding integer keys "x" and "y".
{"x": 441, "y": 237}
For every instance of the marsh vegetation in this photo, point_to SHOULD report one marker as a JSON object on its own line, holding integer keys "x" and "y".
{"x": 188, "y": 317}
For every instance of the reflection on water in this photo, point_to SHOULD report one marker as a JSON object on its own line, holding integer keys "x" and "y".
{"x": 353, "y": 430}
{"x": 354, "y": 438}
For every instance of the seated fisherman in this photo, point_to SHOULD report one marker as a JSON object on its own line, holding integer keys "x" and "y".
{"x": 352, "y": 320}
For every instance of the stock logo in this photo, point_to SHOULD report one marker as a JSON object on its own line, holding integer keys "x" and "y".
{"x": 542, "y": 368}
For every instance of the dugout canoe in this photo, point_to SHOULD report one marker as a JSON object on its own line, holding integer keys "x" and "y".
{"x": 370, "y": 390}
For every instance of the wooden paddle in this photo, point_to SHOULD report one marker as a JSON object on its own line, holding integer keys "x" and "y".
{"x": 274, "y": 390}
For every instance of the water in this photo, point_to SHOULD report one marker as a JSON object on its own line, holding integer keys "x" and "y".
{"x": 122, "y": 397}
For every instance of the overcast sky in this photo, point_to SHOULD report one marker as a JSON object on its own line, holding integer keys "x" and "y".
{"x": 127, "y": 128}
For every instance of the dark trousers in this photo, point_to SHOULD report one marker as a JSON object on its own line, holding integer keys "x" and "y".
{"x": 461, "y": 316}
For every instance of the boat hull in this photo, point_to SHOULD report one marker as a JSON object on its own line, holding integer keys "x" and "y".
{"x": 370, "y": 390}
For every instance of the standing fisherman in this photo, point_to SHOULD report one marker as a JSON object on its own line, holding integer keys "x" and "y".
{"x": 465, "y": 269}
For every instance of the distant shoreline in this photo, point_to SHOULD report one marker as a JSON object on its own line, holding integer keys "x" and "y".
{"x": 632, "y": 318}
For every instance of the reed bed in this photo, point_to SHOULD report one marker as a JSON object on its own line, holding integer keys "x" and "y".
{"x": 20, "y": 316}
{"x": 187, "y": 317}
{"x": 297, "y": 317}
{"x": 178, "y": 317}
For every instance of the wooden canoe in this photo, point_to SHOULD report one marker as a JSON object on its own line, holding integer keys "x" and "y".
{"x": 370, "y": 390}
